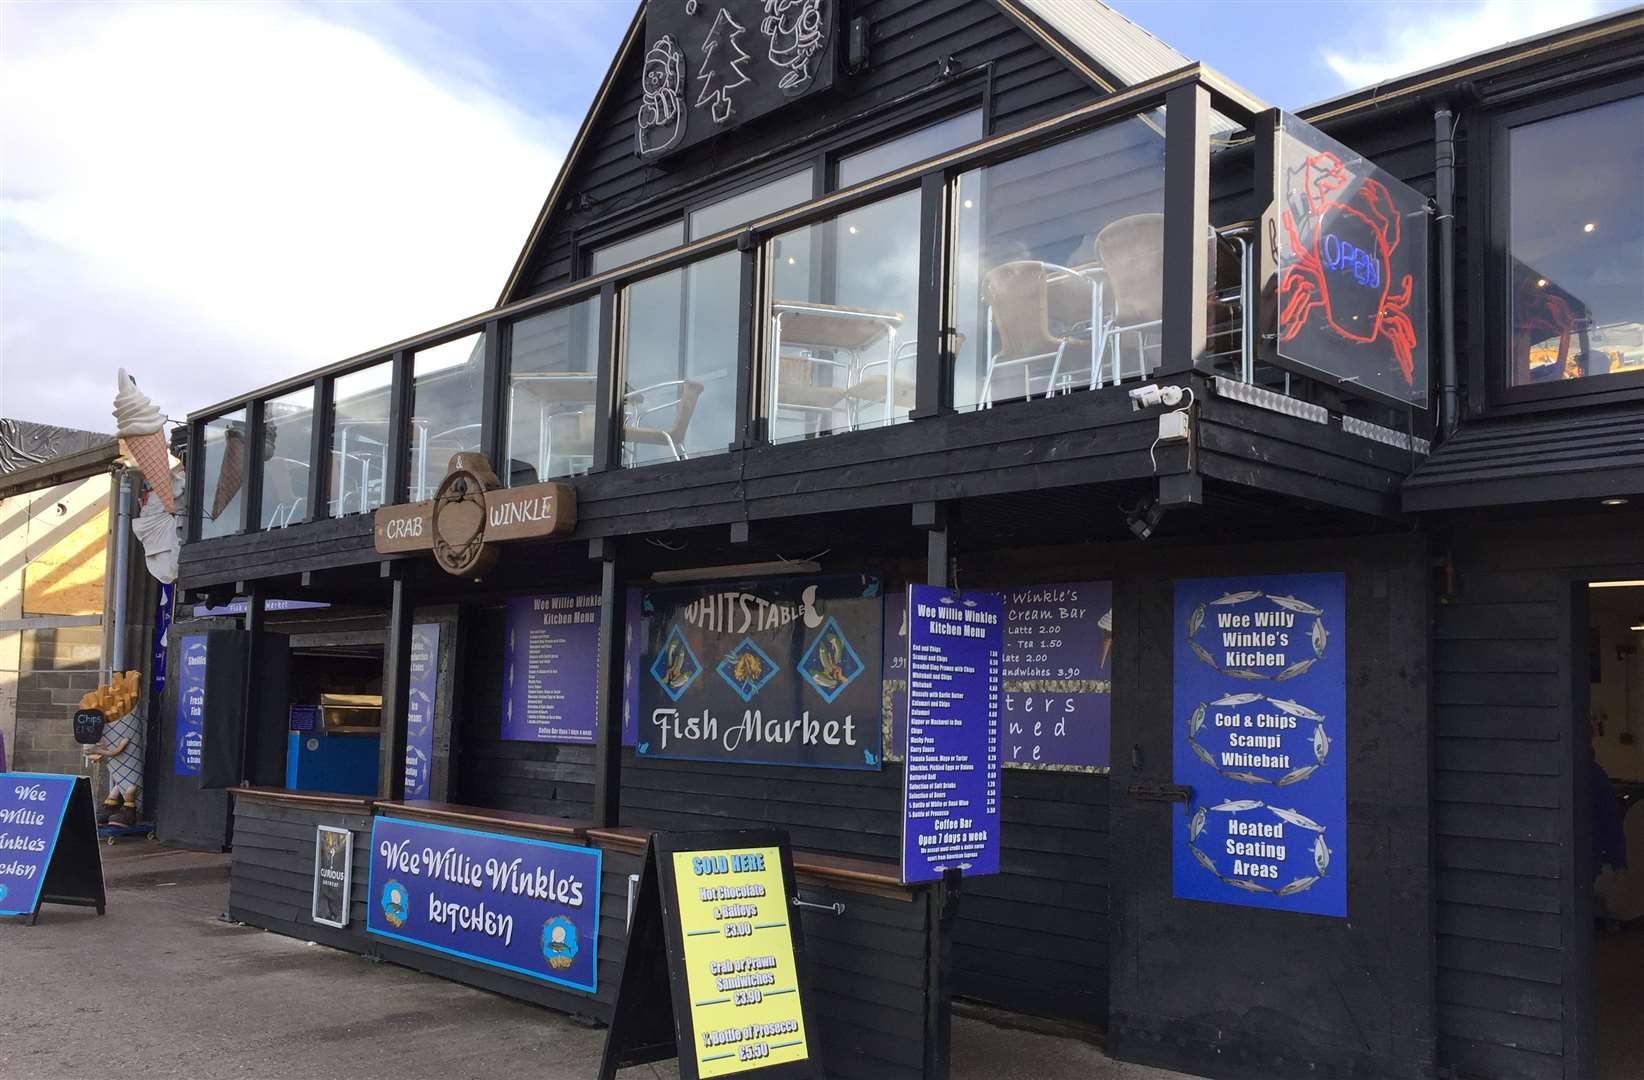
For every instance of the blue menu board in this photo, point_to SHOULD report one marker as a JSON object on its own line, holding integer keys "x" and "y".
{"x": 526, "y": 906}
{"x": 1260, "y": 714}
{"x": 550, "y": 668}
{"x": 31, "y": 816}
{"x": 1058, "y": 674}
{"x": 950, "y": 786}
{"x": 190, "y": 719}
{"x": 419, "y": 714}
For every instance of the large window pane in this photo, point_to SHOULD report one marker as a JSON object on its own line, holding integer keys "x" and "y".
{"x": 680, "y": 334}
{"x": 224, "y": 471}
{"x": 359, "y": 440}
{"x": 1059, "y": 267}
{"x": 552, "y": 370}
{"x": 843, "y": 309}
{"x": 288, "y": 427}
{"x": 445, "y": 410}
{"x": 790, "y": 190}
{"x": 640, "y": 246}
{"x": 1577, "y": 238}
{"x": 927, "y": 142}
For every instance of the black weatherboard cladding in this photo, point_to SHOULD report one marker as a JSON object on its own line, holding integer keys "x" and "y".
{"x": 909, "y": 41}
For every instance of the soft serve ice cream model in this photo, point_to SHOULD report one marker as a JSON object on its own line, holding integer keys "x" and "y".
{"x": 141, "y": 424}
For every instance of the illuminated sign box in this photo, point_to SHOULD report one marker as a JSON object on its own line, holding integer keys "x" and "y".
{"x": 1352, "y": 270}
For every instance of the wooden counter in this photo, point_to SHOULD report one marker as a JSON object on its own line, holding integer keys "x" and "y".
{"x": 872, "y": 876}
{"x": 306, "y": 800}
{"x": 562, "y": 830}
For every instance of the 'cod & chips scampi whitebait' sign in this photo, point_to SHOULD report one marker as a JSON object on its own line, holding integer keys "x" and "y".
{"x": 526, "y": 906}
{"x": 1260, "y": 723}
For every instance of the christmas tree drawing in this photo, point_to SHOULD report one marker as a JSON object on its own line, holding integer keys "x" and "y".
{"x": 721, "y": 71}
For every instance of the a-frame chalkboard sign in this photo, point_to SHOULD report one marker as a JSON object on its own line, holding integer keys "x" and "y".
{"x": 714, "y": 972}
{"x": 48, "y": 844}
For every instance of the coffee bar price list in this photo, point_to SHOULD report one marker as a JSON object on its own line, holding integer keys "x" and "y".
{"x": 952, "y": 779}
{"x": 746, "y": 1008}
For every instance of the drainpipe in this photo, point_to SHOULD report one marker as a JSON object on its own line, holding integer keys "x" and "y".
{"x": 1444, "y": 168}
{"x": 119, "y": 602}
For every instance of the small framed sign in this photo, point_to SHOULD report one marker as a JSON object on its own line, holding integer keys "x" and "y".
{"x": 333, "y": 875}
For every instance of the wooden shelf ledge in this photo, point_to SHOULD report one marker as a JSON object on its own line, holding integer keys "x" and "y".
{"x": 478, "y": 817}
{"x": 307, "y": 800}
{"x": 876, "y": 877}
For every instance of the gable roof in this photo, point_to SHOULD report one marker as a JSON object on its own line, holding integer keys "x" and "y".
{"x": 1098, "y": 43}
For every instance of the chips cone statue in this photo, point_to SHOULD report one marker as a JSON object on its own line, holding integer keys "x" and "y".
{"x": 141, "y": 425}
{"x": 121, "y": 747}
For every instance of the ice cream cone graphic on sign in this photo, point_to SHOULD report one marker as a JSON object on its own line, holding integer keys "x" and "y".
{"x": 141, "y": 425}
{"x": 232, "y": 474}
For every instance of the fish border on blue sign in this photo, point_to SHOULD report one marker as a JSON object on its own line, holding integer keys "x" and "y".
{"x": 591, "y": 987}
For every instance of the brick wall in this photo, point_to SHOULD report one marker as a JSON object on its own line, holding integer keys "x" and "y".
{"x": 58, "y": 668}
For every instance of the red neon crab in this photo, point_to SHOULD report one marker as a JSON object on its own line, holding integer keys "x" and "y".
{"x": 1345, "y": 268}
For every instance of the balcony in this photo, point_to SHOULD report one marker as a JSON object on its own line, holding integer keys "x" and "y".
{"x": 966, "y": 326}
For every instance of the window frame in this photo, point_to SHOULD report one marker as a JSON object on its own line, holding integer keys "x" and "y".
{"x": 1491, "y": 307}
{"x": 821, "y": 154}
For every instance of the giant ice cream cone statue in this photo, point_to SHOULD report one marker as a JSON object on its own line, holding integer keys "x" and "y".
{"x": 141, "y": 424}
{"x": 232, "y": 474}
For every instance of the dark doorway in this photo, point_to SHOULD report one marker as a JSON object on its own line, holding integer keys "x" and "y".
{"x": 1615, "y": 834}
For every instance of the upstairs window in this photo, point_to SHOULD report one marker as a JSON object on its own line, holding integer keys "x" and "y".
{"x": 1575, "y": 220}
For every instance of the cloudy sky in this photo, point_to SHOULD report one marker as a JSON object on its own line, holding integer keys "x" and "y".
{"x": 217, "y": 195}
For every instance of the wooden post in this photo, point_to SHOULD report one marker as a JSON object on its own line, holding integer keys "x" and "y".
{"x": 1187, "y": 243}
{"x": 932, "y": 392}
{"x": 397, "y": 453}
{"x": 607, "y": 388}
{"x": 749, "y": 423}
{"x": 319, "y": 451}
{"x": 944, "y": 895}
{"x": 251, "y": 693}
{"x": 609, "y": 673}
{"x": 251, "y": 483}
{"x": 396, "y": 688}
{"x": 494, "y": 436}
{"x": 1264, "y": 290}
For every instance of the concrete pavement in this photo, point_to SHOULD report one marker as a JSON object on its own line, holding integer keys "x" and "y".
{"x": 161, "y": 987}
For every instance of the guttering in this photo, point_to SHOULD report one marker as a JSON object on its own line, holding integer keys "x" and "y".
{"x": 1444, "y": 169}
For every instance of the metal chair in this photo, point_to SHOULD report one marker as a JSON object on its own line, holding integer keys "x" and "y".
{"x": 1018, "y": 297}
{"x": 634, "y": 411}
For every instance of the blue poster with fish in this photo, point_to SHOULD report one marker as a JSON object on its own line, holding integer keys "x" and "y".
{"x": 1260, "y": 715}
{"x": 189, "y": 739}
{"x": 522, "y": 905}
{"x": 420, "y": 706}
{"x": 775, "y": 671}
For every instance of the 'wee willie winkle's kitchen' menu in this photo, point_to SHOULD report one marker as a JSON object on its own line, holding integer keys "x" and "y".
{"x": 951, "y": 793}
{"x": 550, "y": 671}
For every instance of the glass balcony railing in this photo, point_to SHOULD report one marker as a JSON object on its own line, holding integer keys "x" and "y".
{"x": 1115, "y": 244}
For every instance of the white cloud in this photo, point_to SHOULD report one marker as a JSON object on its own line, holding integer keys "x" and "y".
{"x": 1417, "y": 36}
{"x": 218, "y": 196}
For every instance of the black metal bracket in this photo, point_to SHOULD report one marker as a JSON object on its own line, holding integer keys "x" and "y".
{"x": 1154, "y": 792}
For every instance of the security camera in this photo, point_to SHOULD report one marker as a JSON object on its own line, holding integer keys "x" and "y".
{"x": 1145, "y": 397}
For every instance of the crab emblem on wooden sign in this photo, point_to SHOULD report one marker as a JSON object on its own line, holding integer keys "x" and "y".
{"x": 470, "y": 514}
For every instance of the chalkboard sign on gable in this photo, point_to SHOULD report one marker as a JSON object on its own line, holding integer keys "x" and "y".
{"x": 712, "y": 65}
{"x": 714, "y": 972}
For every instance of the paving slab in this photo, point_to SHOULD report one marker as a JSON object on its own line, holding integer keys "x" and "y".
{"x": 163, "y": 987}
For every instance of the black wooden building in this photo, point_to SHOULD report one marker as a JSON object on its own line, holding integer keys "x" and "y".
{"x": 896, "y": 317}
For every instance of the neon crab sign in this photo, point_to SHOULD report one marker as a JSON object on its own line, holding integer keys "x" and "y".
{"x": 1342, "y": 271}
